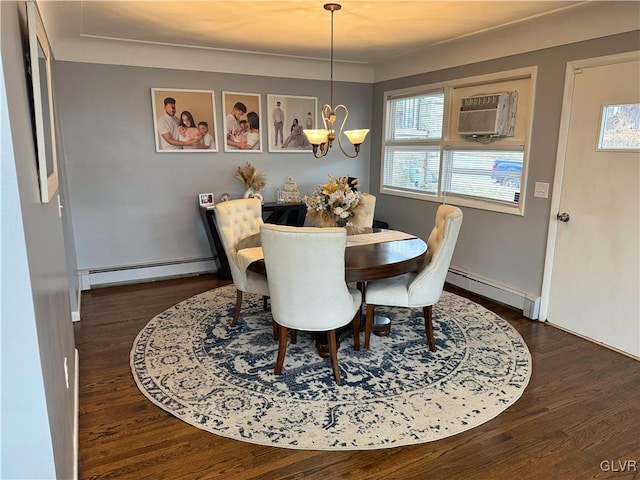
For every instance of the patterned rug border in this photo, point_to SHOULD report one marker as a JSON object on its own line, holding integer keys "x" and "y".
{"x": 202, "y": 354}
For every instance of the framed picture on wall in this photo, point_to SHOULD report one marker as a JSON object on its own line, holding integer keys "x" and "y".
{"x": 242, "y": 122}
{"x": 288, "y": 117}
{"x": 184, "y": 120}
{"x": 44, "y": 120}
{"x": 206, "y": 199}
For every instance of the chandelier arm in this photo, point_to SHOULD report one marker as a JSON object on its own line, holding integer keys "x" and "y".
{"x": 339, "y": 135}
{"x": 324, "y": 148}
{"x": 326, "y": 113}
{"x": 316, "y": 150}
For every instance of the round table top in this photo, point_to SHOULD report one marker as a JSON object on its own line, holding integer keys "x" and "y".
{"x": 370, "y": 261}
{"x": 381, "y": 260}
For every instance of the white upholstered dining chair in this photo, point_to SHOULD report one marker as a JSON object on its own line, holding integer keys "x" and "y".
{"x": 421, "y": 289}
{"x": 306, "y": 272}
{"x": 236, "y": 220}
{"x": 369, "y": 209}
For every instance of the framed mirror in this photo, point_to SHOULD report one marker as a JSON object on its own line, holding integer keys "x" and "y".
{"x": 40, "y": 64}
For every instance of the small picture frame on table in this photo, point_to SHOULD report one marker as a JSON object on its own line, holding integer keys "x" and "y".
{"x": 206, "y": 199}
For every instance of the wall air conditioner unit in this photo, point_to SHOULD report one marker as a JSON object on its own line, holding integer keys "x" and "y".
{"x": 488, "y": 116}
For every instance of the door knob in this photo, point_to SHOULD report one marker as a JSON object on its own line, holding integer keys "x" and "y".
{"x": 563, "y": 217}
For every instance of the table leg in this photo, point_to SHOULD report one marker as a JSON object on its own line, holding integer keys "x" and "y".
{"x": 381, "y": 327}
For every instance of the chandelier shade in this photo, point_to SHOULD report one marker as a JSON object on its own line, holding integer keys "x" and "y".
{"x": 322, "y": 139}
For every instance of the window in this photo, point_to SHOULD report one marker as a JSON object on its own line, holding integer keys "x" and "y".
{"x": 620, "y": 127}
{"x": 424, "y": 157}
{"x": 483, "y": 174}
{"x": 412, "y": 159}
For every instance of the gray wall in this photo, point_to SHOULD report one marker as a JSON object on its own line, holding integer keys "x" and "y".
{"x": 37, "y": 335}
{"x": 131, "y": 205}
{"x": 506, "y": 248}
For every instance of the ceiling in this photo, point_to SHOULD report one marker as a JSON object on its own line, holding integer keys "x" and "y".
{"x": 364, "y": 31}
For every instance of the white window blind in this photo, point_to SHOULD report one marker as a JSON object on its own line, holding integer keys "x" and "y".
{"x": 412, "y": 146}
{"x": 483, "y": 174}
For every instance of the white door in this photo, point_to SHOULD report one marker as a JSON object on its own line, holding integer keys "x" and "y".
{"x": 592, "y": 270}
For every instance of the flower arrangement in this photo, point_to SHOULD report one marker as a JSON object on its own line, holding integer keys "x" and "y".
{"x": 335, "y": 203}
{"x": 252, "y": 179}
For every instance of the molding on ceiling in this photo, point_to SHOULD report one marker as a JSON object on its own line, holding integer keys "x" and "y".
{"x": 139, "y": 54}
{"x": 588, "y": 21}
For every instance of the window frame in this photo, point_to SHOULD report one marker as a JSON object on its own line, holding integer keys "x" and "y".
{"x": 449, "y": 139}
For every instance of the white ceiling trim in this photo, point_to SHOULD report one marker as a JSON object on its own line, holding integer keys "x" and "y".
{"x": 110, "y": 52}
{"x": 589, "y": 21}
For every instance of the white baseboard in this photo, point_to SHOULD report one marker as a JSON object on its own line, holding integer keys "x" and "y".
{"x": 76, "y": 417}
{"x": 144, "y": 272}
{"x": 525, "y": 301}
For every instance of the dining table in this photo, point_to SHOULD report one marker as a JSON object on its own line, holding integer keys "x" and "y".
{"x": 370, "y": 254}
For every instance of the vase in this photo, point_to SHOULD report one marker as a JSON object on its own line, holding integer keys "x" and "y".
{"x": 251, "y": 193}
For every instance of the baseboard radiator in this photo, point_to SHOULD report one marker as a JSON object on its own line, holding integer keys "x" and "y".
{"x": 140, "y": 272}
{"x": 525, "y": 301}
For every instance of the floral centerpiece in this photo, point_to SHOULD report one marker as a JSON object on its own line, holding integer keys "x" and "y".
{"x": 252, "y": 179}
{"x": 336, "y": 203}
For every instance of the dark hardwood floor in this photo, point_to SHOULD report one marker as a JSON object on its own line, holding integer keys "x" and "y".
{"x": 577, "y": 419}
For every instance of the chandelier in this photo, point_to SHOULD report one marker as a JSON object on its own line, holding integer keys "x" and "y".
{"x": 322, "y": 139}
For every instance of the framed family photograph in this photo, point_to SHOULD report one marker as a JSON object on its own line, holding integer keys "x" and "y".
{"x": 43, "y": 119}
{"x": 242, "y": 115}
{"x": 206, "y": 199}
{"x": 184, "y": 120}
{"x": 288, "y": 116}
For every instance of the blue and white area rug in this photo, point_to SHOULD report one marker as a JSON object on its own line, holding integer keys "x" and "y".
{"x": 190, "y": 362}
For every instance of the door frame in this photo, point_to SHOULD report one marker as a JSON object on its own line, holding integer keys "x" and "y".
{"x": 561, "y": 157}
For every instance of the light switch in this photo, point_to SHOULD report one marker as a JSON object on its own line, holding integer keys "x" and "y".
{"x": 541, "y": 190}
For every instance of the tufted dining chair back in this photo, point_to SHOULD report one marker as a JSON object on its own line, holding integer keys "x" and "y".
{"x": 369, "y": 210}
{"x": 236, "y": 220}
{"x": 426, "y": 287}
{"x": 306, "y": 271}
{"x": 422, "y": 288}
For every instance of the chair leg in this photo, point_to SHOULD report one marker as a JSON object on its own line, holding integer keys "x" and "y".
{"x": 428, "y": 326}
{"x": 265, "y": 303}
{"x": 368, "y": 325}
{"x": 274, "y": 327}
{"x": 236, "y": 313}
{"x": 333, "y": 350}
{"x": 355, "y": 325}
{"x": 294, "y": 337}
{"x": 282, "y": 349}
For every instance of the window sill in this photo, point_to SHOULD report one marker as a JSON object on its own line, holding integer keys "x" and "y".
{"x": 458, "y": 201}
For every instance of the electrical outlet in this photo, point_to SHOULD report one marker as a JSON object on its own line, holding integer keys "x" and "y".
{"x": 541, "y": 190}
